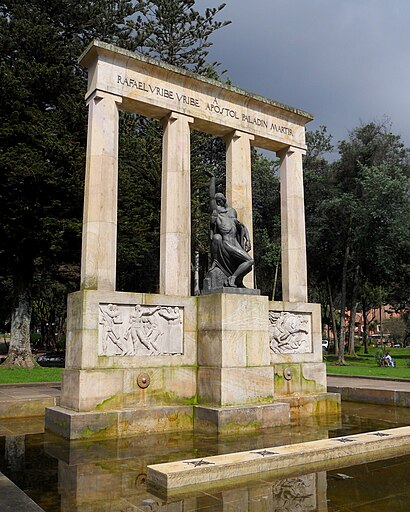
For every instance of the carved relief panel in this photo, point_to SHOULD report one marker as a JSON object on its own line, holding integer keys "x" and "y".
{"x": 138, "y": 330}
{"x": 290, "y": 333}
{"x": 295, "y": 494}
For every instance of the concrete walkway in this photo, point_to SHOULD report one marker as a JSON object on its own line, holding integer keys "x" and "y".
{"x": 30, "y": 400}
{"x": 371, "y": 390}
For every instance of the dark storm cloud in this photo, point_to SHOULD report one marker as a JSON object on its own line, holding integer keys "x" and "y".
{"x": 345, "y": 61}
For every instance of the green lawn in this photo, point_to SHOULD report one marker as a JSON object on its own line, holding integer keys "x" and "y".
{"x": 366, "y": 365}
{"x": 38, "y": 374}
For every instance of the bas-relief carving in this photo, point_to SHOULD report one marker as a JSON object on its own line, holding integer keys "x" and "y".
{"x": 295, "y": 494}
{"x": 290, "y": 333}
{"x": 136, "y": 330}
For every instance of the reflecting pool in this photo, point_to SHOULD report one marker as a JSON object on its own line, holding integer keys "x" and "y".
{"x": 91, "y": 476}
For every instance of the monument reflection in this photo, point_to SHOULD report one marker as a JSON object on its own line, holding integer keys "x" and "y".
{"x": 110, "y": 475}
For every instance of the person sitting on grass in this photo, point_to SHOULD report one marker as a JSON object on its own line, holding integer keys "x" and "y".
{"x": 388, "y": 360}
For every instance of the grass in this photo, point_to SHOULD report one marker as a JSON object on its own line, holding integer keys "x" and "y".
{"x": 366, "y": 365}
{"x": 25, "y": 375}
{"x": 363, "y": 365}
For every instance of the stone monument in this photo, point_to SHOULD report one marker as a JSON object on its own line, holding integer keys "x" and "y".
{"x": 230, "y": 245}
{"x": 223, "y": 361}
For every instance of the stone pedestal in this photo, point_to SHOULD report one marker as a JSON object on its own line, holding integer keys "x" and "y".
{"x": 223, "y": 362}
{"x": 233, "y": 350}
{"x": 235, "y": 377}
{"x": 109, "y": 391}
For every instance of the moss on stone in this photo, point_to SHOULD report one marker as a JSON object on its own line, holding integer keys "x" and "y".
{"x": 171, "y": 398}
{"x": 113, "y": 402}
{"x": 233, "y": 427}
{"x": 88, "y": 432}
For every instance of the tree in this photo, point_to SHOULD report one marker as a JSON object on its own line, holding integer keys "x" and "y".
{"x": 396, "y": 327}
{"x": 359, "y": 216}
{"x": 323, "y": 244}
{"x": 174, "y": 32}
{"x": 42, "y": 138}
{"x": 373, "y": 168}
{"x": 266, "y": 225}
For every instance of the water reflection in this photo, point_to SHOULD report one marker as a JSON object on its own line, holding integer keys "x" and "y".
{"x": 99, "y": 489}
{"x": 81, "y": 476}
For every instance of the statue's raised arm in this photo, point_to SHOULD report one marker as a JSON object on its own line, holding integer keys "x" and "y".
{"x": 212, "y": 191}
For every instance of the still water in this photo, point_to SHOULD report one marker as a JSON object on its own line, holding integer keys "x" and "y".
{"x": 109, "y": 476}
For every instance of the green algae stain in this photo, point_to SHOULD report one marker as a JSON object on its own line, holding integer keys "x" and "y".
{"x": 232, "y": 427}
{"x": 163, "y": 397}
{"x": 110, "y": 403}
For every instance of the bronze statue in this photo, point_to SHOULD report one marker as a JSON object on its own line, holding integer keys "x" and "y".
{"x": 230, "y": 244}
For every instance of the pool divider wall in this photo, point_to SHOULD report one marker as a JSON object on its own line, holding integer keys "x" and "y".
{"x": 181, "y": 476}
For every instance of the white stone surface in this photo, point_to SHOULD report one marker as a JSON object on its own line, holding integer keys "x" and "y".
{"x": 290, "y": 333}
{"x": 133, "y": 330}
{"x": 85, "y": 332}
{"x": 219, "y": 469}
{"x": 239, "y": 184}
{"x": 307, "y": 309}
{"x": 175, "y": 231}
{"x": 156, "y": 89}
{"x": 294, "y": 267}
{"x": 99, "y": 246}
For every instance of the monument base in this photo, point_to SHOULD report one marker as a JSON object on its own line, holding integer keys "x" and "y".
{"x": 222, "y": 363}
{"x": 228, "y": 420}
{"x": 198, "y": 418}
{"x": 228, "y": 289}
{"x": 318, "y": 406}
{"x": 110, "y": 424}
{"x": 215, "y": 279}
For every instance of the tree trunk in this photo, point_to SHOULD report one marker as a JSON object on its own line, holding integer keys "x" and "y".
{"x": 341, "y": 357}
{"x": 332, "y": 316}
{"x": 353, "y": 309}
{"x": 365, "y": 339}
{"x": 352, "y": 326}
{"x": 20, "y": 349}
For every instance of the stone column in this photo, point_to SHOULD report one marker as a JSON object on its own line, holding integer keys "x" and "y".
{"x": 239, "y": 183}
{"x": 99, "y": 246}
{"x": 294, "y": 268}
{"x": 175, "y": 233}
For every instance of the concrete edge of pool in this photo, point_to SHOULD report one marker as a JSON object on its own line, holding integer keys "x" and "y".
{"x": 14, "y": 499}
{"x": 178, "y": 477}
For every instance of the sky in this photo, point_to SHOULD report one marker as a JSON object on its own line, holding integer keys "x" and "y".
{"x": 344, "y": 61}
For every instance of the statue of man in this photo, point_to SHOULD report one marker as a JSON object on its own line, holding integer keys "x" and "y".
{"x": 230, "y": 242}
